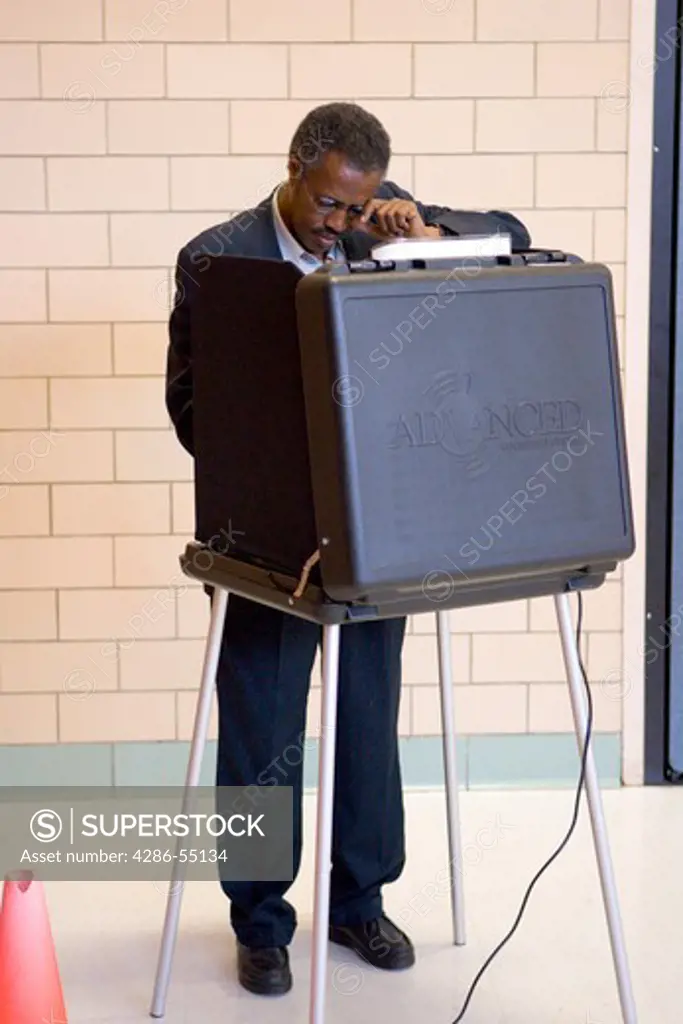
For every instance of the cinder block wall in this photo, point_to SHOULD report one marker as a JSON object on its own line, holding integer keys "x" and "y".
{"x": 125, "y": 127}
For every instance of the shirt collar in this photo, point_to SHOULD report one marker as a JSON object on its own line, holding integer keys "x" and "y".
{"x": 291, "y": 249}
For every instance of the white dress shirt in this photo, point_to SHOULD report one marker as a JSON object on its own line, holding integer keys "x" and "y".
{"x": 292, "y": 250}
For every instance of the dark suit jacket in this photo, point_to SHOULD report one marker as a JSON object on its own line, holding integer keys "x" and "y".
{"x": 252, "y": 233}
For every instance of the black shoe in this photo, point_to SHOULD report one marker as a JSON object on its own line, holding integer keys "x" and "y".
{"x": 379, "y": 942}
{"x": 264, "y": 970}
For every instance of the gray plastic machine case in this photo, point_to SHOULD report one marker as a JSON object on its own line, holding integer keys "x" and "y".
{"x": 437, "y": 431}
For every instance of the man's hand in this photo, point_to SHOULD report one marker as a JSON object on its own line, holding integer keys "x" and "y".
{"x": 394, "y": 218}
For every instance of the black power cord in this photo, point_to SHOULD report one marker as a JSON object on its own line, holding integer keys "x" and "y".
{"x": 566, "y": 839}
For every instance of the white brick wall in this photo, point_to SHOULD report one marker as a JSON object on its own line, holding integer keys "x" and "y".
{"x": 125, "y": 127}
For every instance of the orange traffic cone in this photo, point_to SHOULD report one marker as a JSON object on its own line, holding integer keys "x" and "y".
{"x": 30, "y": 986}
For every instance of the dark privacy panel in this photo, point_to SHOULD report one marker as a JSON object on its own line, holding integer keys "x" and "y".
{"x": 436, "y": 429}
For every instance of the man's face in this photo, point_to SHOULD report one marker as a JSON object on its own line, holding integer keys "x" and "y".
{"x": 324, "y": 200}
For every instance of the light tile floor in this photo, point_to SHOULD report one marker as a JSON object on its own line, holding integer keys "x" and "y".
{"x": 556, "y": 969}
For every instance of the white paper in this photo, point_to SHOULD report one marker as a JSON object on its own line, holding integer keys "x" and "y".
{"x": 443, "y": 248}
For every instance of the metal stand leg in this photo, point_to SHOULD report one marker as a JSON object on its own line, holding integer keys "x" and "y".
{"x": 602, "y": 851}
{"x": 455, "y": 865}
{"x": 323, "y": 853}
{"x": 201, "y": 726}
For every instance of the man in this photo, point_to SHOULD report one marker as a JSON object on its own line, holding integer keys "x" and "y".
{"x": 335, "y": 204}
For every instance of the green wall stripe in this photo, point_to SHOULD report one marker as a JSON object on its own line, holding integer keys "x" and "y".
{"x": 524, "y": 761}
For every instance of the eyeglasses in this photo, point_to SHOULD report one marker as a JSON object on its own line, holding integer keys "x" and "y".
{"x": 326, "y": 204}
